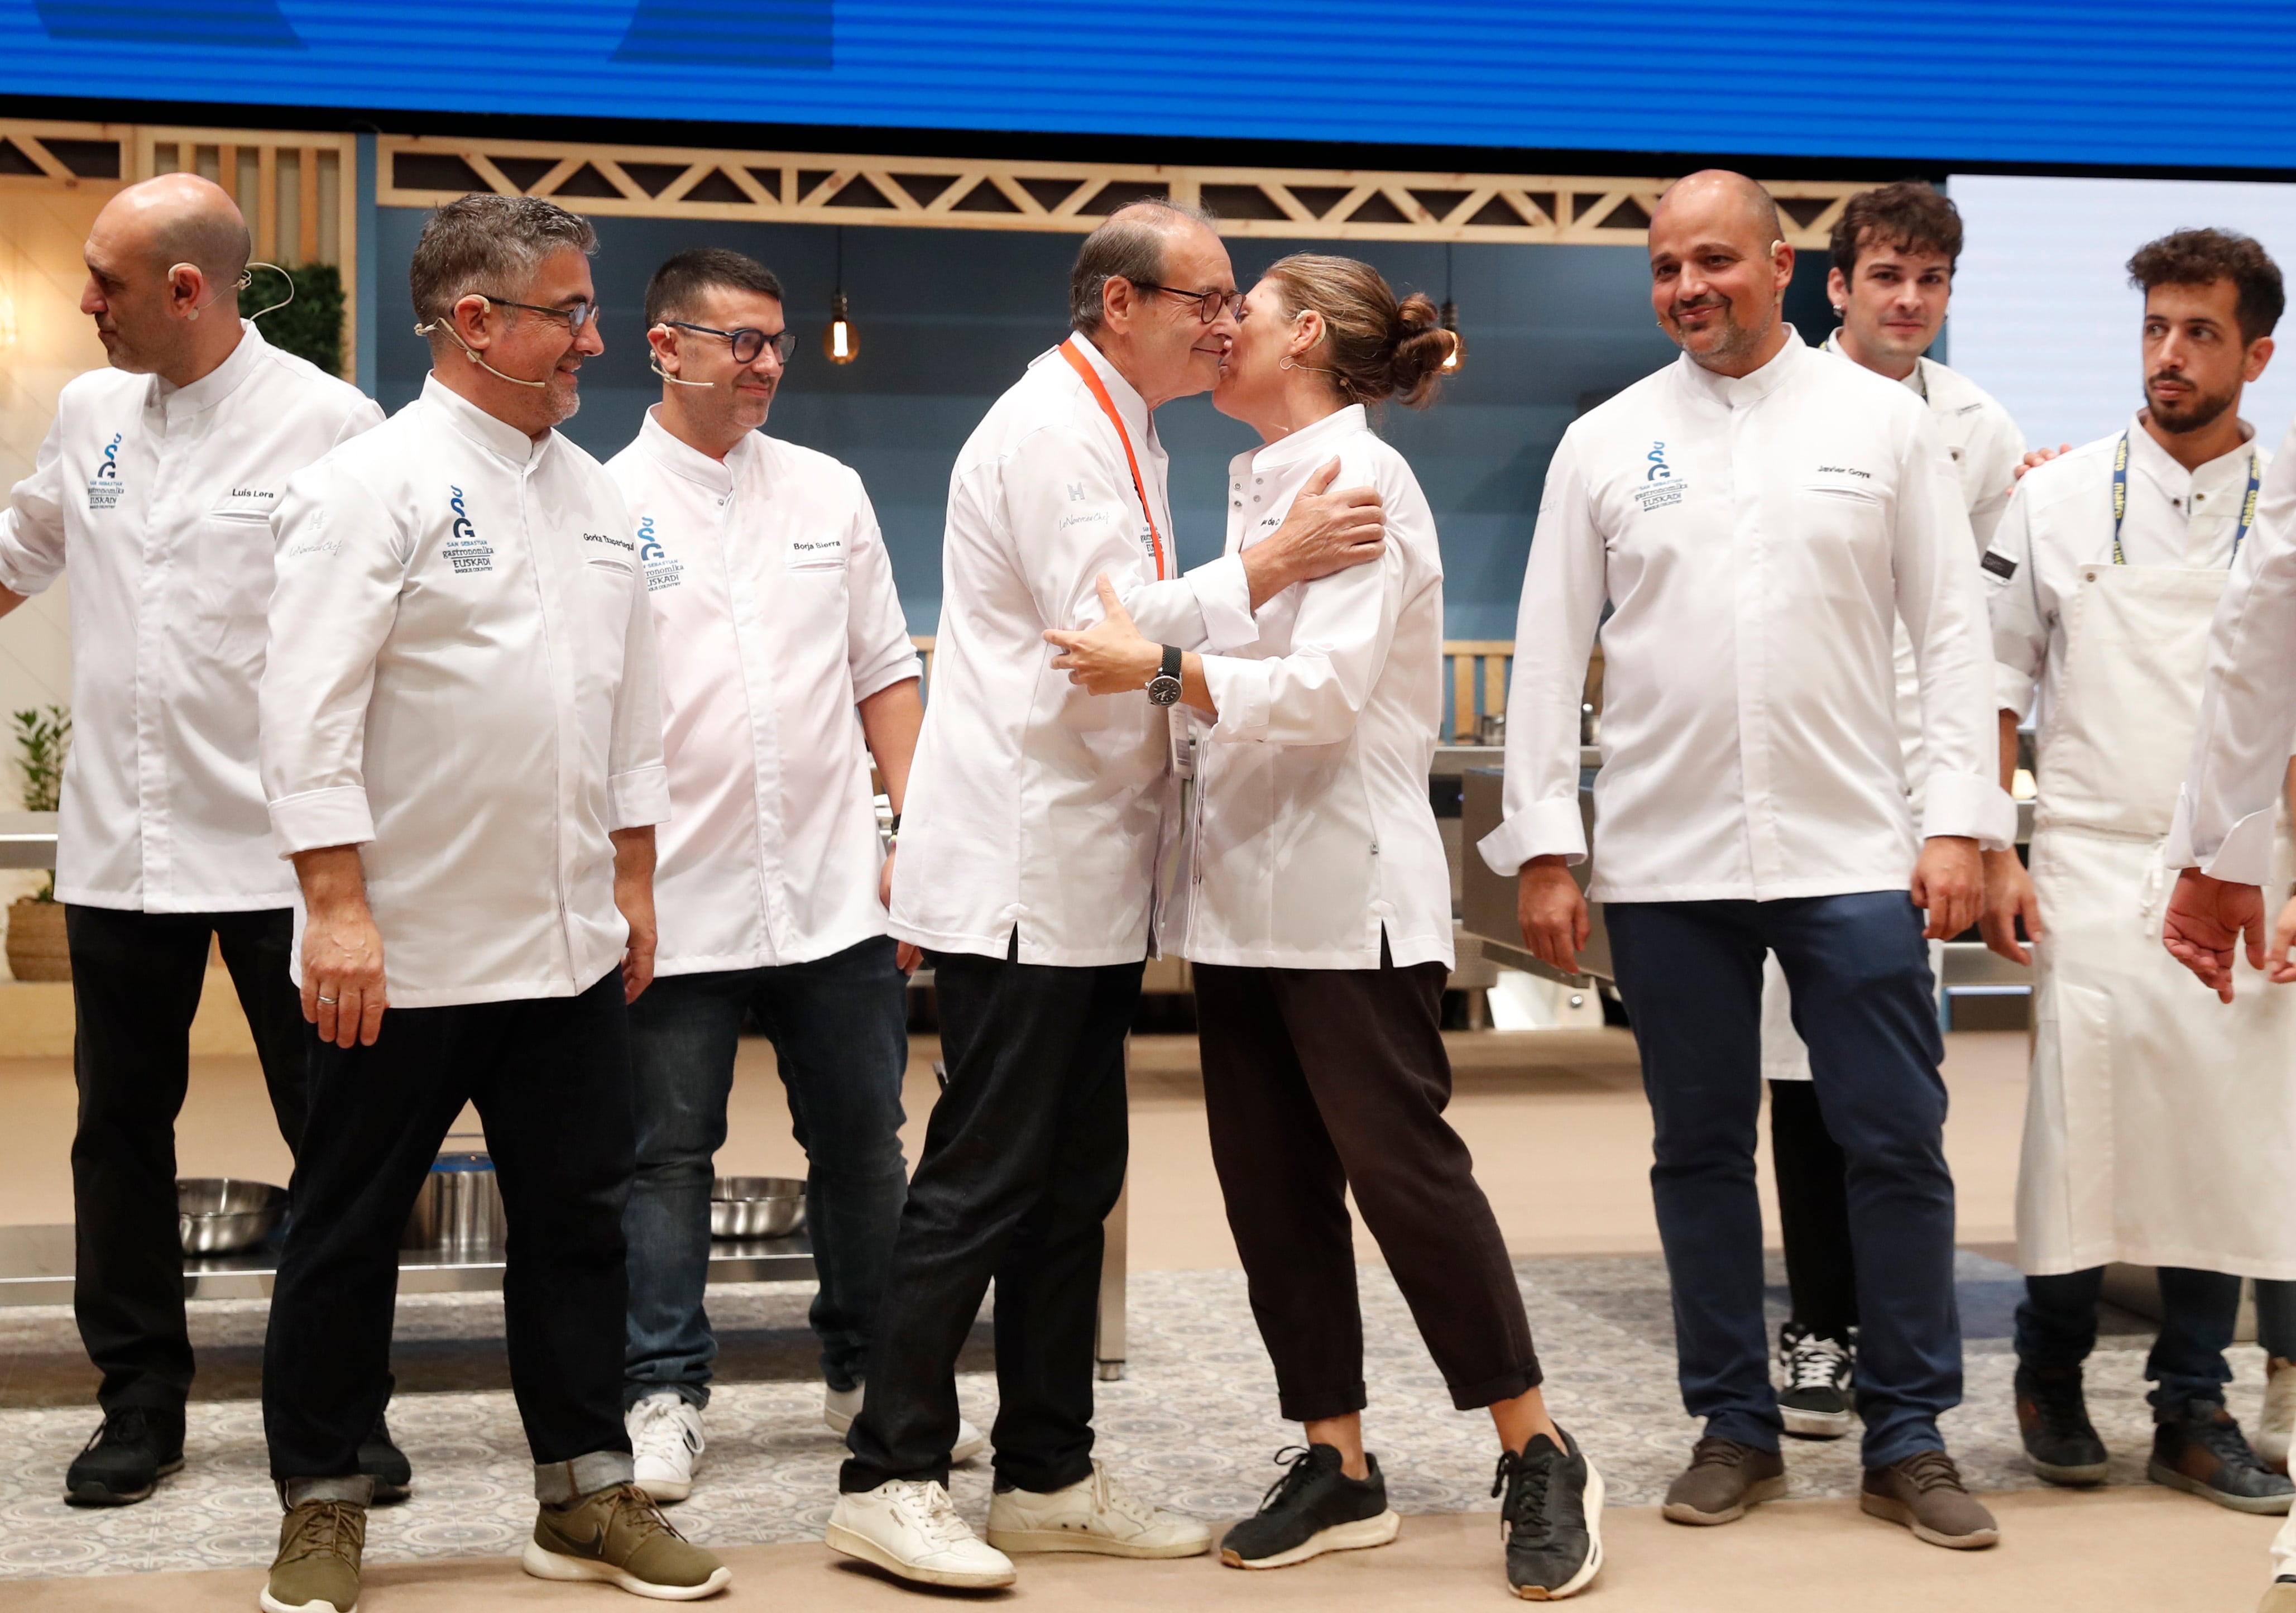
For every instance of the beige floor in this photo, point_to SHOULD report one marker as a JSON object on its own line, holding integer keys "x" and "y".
{"x": 2128, "y": 1549}
{"x": 1557, "y": 1122}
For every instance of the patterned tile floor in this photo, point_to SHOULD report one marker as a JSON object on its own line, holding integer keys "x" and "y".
{"x": 1193, "y": 1421}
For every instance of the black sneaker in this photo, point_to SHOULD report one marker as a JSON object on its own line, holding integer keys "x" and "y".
{"x": 2198, "y": 1447}
{"x": 1313, "y": 1508}
{"x": 1815, "y": 1399}
{"x": 1552, "y": 1518}
{"x": 135, "y": 1448}
{"x": 384, "y": 1462}
{"x": 2052, "y": 1417}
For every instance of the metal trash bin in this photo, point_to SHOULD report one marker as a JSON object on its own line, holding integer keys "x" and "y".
{"x": 459, "y": 1209}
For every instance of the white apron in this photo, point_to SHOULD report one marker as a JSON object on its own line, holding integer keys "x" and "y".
{"x": 2159, "y": 1124}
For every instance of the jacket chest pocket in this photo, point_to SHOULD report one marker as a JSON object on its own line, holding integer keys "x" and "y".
{"x": 230, "y": 585}
{"x": 1832, "y": 520}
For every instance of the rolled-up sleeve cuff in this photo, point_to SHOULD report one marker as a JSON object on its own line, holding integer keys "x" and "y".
{"x": 641, "y": 797}
{"x": 1240, "y": 691}
{"x": 895, "y": 670}
{"x": 2245, "y": 857}
{"x": 321, "y": 817}
{"x": 1543, "y": 828}
{"x": 1971, "y": 805}
{"x": 2013, "y": 690}
{"x": 1224, "y": 596}
{"x": 16, "y": 578}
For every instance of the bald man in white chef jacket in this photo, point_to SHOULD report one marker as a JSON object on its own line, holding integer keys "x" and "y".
{"x": 1761, "y": 515}
{"x": 152, "y": 497}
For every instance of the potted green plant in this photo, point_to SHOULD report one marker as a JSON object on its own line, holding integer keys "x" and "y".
{"x": 36, "y": 923}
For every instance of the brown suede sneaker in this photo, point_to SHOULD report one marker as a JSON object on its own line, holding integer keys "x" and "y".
{"x": 1723, "y": 1479}
{"x": 317, "y": 1568}
{"x": 619, "y": 1535}
{"x": 1925, "y": 1493}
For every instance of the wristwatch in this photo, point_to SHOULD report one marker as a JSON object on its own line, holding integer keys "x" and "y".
{"x": 1164, "y": 687}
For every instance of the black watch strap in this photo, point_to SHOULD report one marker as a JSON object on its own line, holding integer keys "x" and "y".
{"x": 1171, "y": 667}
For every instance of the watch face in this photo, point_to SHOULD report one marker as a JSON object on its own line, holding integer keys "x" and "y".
{"x": 1163, "y": 691}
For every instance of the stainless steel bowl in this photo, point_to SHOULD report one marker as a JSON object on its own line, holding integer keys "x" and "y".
{"x": 223, "y": 1214}
{"x": 756, "y": 1206}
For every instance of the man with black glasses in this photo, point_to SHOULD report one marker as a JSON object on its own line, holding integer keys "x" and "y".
{"x": 777, "y": 621}
{"x": 1035, "y": 818}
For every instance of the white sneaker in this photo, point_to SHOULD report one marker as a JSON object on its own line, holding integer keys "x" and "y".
{"x": 840, "y": 1407}
{"x": 909, "y": 1528}
{"x": 665, "y": 1437}
{"x": 2274, "y": 1427}
{"x": 1092, "y": 1515}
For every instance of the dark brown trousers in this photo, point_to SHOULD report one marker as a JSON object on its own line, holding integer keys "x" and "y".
{"x": 1317, "y": 1081}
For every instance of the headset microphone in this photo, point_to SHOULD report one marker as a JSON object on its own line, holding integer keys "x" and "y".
{"x": 447, "y": 325}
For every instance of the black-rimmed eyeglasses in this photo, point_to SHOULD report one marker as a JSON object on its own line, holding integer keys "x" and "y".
{"x": 747, "y": 343}
{"x": 580, "y": 314}
{"x": 1209, "y": 305}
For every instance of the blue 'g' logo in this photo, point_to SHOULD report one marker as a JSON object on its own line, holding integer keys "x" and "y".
{"x": 1657, "y": 457}
{"x": 650, "y": 547}
{"x": 465, "y": 533}
{"x": 108, "y": 471}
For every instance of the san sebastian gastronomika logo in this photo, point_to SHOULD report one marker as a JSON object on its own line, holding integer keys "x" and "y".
{"x": 466, "y": 551}
{"x": 1659, "y": 489}
{"x": 103, "y": 487}
{"x": 662, "y": 570}
{"x": 1657, "y": 469}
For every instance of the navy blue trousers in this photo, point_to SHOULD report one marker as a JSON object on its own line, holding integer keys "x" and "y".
{"x": 1690, "y": 973}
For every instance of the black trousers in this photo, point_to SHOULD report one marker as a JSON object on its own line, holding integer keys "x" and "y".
{"x": 135, "y": 986}
{"x": 1023, "y": 1159}
{"x": 1813, "y": 1212}
{"x": 1316, "y": 1081}
{"x": 551, "y": 1077}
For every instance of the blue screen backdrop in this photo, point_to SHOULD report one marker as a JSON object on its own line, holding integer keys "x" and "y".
{"x": 2000, "y": 81}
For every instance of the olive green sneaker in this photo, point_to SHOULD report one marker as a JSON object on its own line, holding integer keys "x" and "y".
{"x": 619, "y": 1535}
{"x": 317, "y": 1568}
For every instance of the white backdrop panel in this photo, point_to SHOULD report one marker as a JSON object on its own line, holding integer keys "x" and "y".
{"x": 2043, "y": 314}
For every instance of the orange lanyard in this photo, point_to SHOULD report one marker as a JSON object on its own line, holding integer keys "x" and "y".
{"x": 1082, "y": 366}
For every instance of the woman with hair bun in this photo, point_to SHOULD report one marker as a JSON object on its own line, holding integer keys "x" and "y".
{"x": 1315, "y": 903}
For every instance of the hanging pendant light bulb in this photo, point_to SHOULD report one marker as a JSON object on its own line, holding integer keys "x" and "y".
{"x": 1450, "y": 320}
{"x": 840, "y": 343}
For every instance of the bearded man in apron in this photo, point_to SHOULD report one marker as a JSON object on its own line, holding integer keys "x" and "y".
{"x": 2158, "y": 1123}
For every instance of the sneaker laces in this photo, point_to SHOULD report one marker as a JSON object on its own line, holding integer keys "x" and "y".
{"x": 928, "y": 1507}
{"x": 1524, "y": 1510}
{"x": 636, "y": 1510}
{"x": 2064, "y": 1409}
{"x": 128, "y": 1424}
{"x": 1294, "y": 1461}
{"x": 1715, "y": 1452}
{"x": 2224, "y": 1440}
{"x": 327, "y": 1529}
{"x": 657, "y": 1431}
{"x": 1108, "y": 1498}
{"x": 1928, "y": 1471}
{"x": 1813, "y": 1362}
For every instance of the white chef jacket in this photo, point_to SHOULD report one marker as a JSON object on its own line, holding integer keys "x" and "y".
{"x": 156, "y": 500}
{"x": 1034, "y": 805}
{"x": 2061, "y": 519}
{"x": 1757, "y": 537}
{"x": 1982, "y": 440}
{"x": 462, "y": 683}
{"x": 1311, "y": 833}
{"x": 774, "y": 612}
{"x": 2225, "y": 816}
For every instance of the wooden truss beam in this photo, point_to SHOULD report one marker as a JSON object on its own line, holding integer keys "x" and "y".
{"x": 940, "y": 192}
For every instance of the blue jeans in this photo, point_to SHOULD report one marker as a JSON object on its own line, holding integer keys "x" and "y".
{"x": 2056, "y": 1328}
{"x": 839, "y": 1028}
{"x": 1690, "y": 973}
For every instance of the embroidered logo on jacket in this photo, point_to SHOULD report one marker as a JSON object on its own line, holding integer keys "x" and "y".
{"x": 1662, "y": 490}
{"x": 662, "y": 572}
{"x": 103, "y": 487}
{"x": 466, "y": 551}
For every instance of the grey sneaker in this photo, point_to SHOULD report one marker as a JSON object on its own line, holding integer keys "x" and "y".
{"x": 317, "y": 1568}
{"x": 2197, "y": 1447}
{"x": 1723, "y": 1479}
{"x": 618, "y": 1535}
{"x": 1925, "y": 1493}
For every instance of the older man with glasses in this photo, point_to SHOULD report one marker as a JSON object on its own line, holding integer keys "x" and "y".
{"x": 461, "y": 748}
{"x": 778, "y": 623}
{"x": 1035, "y": 817}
